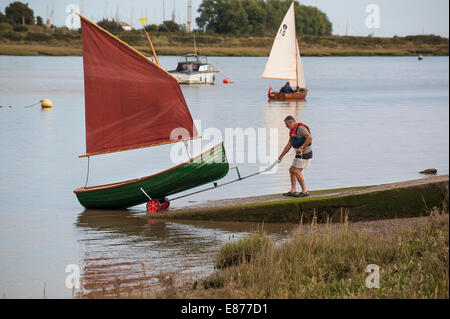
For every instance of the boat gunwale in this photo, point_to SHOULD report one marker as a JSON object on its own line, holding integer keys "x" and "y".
{"x": 193, "y": 72}
{"x": 132, "y": 181}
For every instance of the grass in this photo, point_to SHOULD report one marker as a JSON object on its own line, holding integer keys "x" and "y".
{"x": 332, "y": 264}
{"x": 43, "y": 41}
{"x": 55, "y": 49}
{"x": 243, "y": 250}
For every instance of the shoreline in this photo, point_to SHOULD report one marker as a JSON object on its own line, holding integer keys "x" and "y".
{"x": 363, "y": 203}
{"x": 8, "y": 49}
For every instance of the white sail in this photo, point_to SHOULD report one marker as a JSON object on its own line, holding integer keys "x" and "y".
{"x": 300, "y": 81}
{"x": 284, "y": 61}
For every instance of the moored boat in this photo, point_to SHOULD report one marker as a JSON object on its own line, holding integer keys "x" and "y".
{"x": 194, "y": 69}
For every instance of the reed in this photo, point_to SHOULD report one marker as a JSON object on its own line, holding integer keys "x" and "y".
{"x": 330, "y": 261}
{"x": 244, "y": 250}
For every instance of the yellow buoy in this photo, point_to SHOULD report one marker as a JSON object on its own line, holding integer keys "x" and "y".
{"x": 46, "y": 103}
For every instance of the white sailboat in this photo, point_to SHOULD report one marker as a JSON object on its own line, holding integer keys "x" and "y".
{"x": 284, "y": 61}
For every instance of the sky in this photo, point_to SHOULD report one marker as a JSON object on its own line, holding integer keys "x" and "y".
{"x": 386, "y": 17}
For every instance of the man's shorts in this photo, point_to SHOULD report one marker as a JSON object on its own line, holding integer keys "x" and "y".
{"x": 301, "y": 163}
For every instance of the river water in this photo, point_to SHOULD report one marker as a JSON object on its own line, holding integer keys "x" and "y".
{"x": 373, "y": 119}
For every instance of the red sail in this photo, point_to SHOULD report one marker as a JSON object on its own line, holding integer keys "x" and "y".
{"x": 130, "y": 102}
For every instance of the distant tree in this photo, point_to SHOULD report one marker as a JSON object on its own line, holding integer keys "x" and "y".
{"x": 171, "y": 26}
{"x": 19, "y": 13}
{"x": 311, "y": 21}
{"x": 110, "y": 25}
{"x": 163, "y": 28}
{"x": 223, "y": 16}
{"x": 207, "y": 15}
{"x": 39, "y": 21}
{"x": 258, "y": 17}
{"x": 151, "y": 27}
{"x": 4, "y": 19}
{"x": 5, "y": 28}
{"x": 20, "y": 28}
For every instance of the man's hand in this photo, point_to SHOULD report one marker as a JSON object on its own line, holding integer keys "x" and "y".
{"x": 280, "y": 158}
{"x": 300, "y": 149}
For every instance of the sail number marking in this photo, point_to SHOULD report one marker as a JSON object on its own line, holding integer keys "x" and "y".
{"x": 283, "y": 30}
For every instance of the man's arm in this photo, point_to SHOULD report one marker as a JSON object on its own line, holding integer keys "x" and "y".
{"x": 307, "y": 142}
{"x": 286, "y": 149}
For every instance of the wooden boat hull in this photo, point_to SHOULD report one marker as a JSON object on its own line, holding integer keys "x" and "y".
{"x": 205, "y": 168}
{"x": 297, "y": 96}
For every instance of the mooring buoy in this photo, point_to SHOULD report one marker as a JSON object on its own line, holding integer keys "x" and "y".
{"x": 46, "y": 104}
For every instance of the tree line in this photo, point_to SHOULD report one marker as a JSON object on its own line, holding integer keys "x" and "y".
{"x": 259, "y": 17}
{"x": 19, "y": 13}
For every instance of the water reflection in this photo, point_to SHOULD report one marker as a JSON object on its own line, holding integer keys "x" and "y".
{"x": 129, "y": 247}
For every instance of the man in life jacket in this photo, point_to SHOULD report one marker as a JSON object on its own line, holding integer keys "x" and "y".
{"x": 300, "y": 139}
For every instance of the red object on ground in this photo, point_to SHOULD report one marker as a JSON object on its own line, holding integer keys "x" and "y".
{"x": 152, "y": 206}
{"x": 165, "y": 205}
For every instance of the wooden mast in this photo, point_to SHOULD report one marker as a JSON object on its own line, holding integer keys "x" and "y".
{"x": 296, "y": 48}
{"x": 150, "y": 41}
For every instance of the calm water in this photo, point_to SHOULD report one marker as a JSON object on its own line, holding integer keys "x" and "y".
{"x": 374, "y": 120}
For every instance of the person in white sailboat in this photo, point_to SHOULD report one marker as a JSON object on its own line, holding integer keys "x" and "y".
{"x": 300, "y": 139}
{"x": 286, "y": 89}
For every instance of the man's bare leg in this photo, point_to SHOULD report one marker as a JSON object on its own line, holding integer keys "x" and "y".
{"x": 293, "y": 179}
{"x": 298, "y": 174}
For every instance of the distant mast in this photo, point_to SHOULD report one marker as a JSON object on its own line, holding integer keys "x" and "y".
{"x": 189, "y": 16}
{"x": 195, "y": 45}
{"x": 173, "y": 12}
{"x": 164, "y": 11}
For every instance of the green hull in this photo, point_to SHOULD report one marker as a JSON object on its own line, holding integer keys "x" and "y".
{"x": 208, "y": 167}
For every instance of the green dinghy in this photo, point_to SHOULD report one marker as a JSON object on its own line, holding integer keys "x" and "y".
{"x": 208, "y": 167}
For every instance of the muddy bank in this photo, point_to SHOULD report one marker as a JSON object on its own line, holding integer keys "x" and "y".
{"x": 396, "y": 200}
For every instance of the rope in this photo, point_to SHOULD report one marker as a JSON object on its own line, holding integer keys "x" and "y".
{"x": 26, "y": 106}
{"x": 33, "y": 104}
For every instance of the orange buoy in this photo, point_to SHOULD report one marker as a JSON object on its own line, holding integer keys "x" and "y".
{"x": 225, "y": 81}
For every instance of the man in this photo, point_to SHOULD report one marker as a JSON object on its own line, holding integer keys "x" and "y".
{"x": 300, "y": 139}
{"x": 286, "y": 89}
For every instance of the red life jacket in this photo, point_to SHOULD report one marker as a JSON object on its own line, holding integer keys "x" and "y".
{"x": 295, "y": 140}
{"x": 293, "y": 132}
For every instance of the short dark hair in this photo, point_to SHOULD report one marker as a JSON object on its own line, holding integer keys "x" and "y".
{"x": 289, "y": 118}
